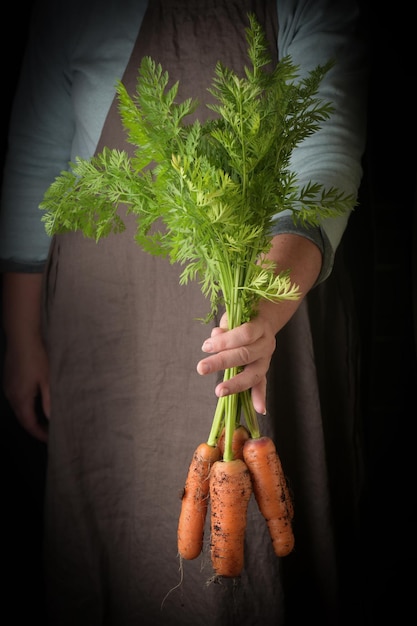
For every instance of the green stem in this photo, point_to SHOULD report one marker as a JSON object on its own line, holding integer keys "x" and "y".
{"x": 228, "y": 408}
{"x": 217, "y": 423}
{"x": 231, "y": 417}
{"x": 251, "y": 418}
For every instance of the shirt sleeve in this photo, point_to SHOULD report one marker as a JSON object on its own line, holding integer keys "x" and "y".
{"x": 313, "y": 32}
{"x": 74, "y": 55}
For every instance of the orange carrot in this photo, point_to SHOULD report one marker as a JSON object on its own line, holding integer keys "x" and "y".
{"x": 230, "y": 492}
{"x": 271, "y": 491}
{"x": 287, "y": 494}
{"x": 240, "y": 435}
{"x": 194, "y": 503}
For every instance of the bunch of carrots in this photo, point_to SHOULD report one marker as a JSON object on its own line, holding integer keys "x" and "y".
{"x": 226, "y": 486}
{"x": 206, "y": 196}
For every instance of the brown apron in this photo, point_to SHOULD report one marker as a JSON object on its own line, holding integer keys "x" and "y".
{"x": 128, "y": 408}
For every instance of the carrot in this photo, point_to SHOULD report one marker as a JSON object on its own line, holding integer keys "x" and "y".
{"x": 287, "y": 495}
{"x": 194, "y": 502}
{"x": 271, "y": 491}
{"x": 240, "y": 435}
{"x": 230, "y": 492}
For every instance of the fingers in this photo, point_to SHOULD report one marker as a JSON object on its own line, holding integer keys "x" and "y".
{"x": 31, "y": 416}
{"x": 26, "y": 386}
{"x": 30, "y": 404}
{"x": 242, "y": 356}
{"x": 259, "y": 397}
{"x": 45, "y": 401}
{"x": 250, "y": 347}
{"x": 243, "y": 336}
{"x": 248, "y": 378}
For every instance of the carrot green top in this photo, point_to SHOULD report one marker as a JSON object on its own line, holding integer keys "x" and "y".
{"x": 55, "y": 119}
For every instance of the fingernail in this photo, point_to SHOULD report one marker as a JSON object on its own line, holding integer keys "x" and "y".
{"x": 223, "y": 392}
{"x": 207, "y": 346}
{"x": 203, "y": 368}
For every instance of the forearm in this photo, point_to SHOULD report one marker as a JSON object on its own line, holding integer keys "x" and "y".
{"x": 21, "y": 306}
{"x": 25, "y": 375}
{"x": 303, "y": 259}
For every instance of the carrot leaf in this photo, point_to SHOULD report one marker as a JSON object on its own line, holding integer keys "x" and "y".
{"x": 206, "y": 195}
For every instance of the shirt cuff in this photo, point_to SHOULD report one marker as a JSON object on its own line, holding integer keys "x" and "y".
{"x": 9, "y": 265}
{"x": 316, "y": 234}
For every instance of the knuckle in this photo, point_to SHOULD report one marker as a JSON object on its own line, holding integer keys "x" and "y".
{"x": 247, "y": 333}
{"x": 244, "y": 355}
{"x": 256, "y": 378}
{"x": 221, "y": 361}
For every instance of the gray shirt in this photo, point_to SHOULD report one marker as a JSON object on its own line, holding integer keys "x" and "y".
{"x": 76, "y": 53}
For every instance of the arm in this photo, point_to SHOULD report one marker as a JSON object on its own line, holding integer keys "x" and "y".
{"x": 26, "y": 363}
{"x": 43, "y": 137}
{"x": 312, "y": 33}
{"x": 39, "y": 141}
{"x": 66, "y": 86}
{"x": 252, "y": 344}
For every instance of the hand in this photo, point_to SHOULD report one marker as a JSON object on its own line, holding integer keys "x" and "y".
{"x": 25, "y": 382}
{"x": 26, "y": 370}
{"x": 249, "y": 346}
{"x": 252, "y": 344}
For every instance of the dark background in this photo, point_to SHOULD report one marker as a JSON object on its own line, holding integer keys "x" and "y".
{"x": 23, "y": 460}
{"x": 380, "y": 246}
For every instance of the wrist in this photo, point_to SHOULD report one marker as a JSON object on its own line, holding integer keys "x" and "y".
{"x": 303, "y": 259}
{"x": 22, "y": 306}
